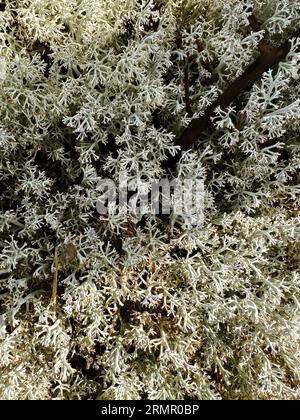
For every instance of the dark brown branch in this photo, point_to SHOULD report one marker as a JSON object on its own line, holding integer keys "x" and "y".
{"x": 197, "y": 126}
{"x": 262, "y": 45}
{"x": 251, "y": 74}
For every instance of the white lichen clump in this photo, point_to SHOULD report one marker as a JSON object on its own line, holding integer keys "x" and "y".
{"x": 93, "y": 88}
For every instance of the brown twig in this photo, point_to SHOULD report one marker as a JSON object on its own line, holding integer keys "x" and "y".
{"x": 55, "y": 281}
{"x": 198, "y": 125}
{"x": 263, "y": 44}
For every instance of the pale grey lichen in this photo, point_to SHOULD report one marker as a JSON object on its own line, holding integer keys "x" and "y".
{"x": 93, "y": 88}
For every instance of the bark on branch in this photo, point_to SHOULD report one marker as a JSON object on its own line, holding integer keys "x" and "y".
{"x": 197, "y": 126}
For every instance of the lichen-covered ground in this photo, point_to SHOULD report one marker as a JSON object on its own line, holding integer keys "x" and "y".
{"x": 147, "y": 307}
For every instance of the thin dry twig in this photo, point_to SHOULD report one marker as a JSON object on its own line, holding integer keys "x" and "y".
{"x": 263, "y": 44}
{"x": 55, "y": 281}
